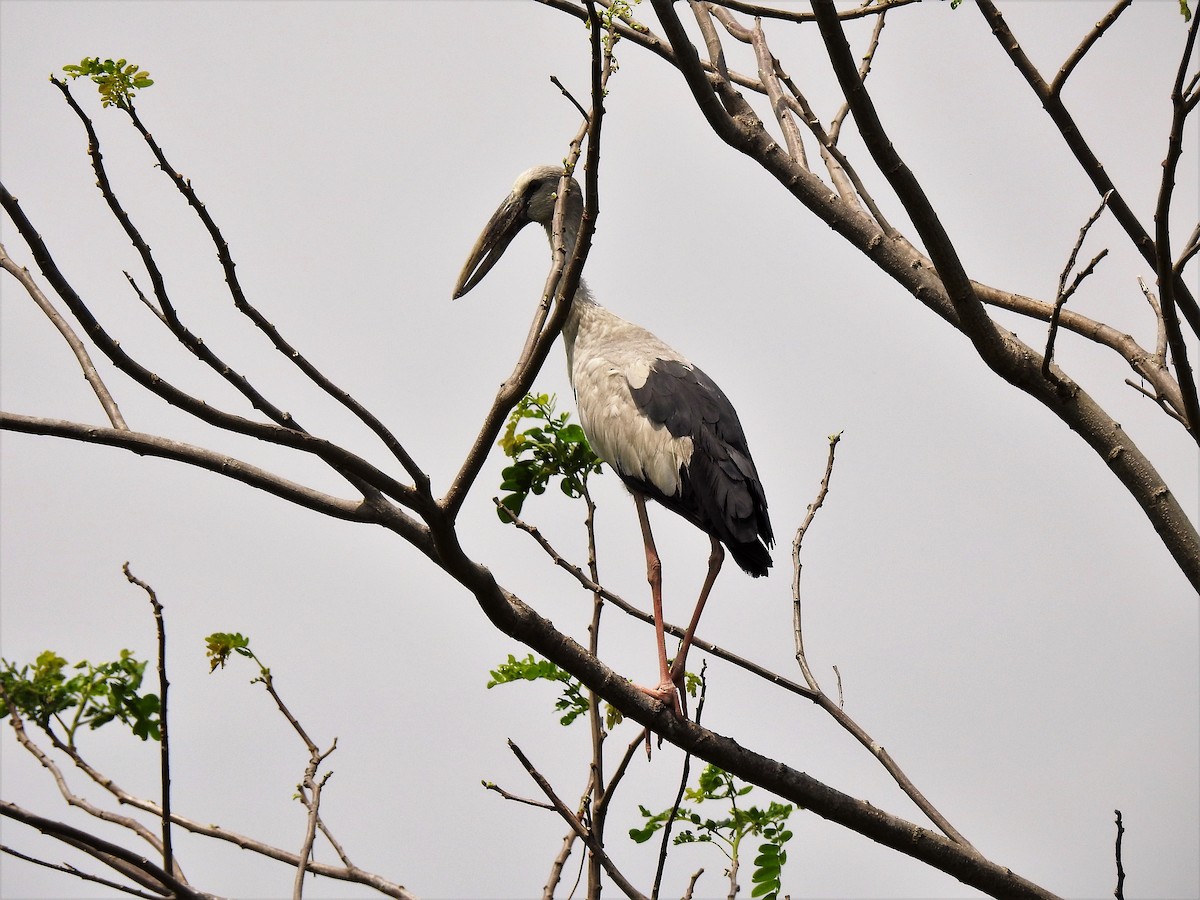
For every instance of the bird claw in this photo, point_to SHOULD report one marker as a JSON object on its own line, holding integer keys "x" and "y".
{"x": 667, "y": 693}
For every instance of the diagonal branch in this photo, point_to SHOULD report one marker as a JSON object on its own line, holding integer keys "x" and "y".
{"x": 78, "y": 873}
{"x": 166, "y": 311}
{"x": 578, "y": 827}
{"x": 356, "y": 469}
{"x": 81, "y": 354}
{"x": 1065, "y": 291}
{"x": 1086, "y": 44}
{"x": 835, "y": 709}
{"x": 561, "y": 284}
{"x": 973, "y": 319}
{"x": 1084, "y": 155}
{"x": 243, "y": 305}
{"x": 134, "y": 867}
{"x": 632, "y": 611}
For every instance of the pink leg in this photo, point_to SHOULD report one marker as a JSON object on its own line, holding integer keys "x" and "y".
{"x": 665, "y": 691}
{"x": 715, "y": 558}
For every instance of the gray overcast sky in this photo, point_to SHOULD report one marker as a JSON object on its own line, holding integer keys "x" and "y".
{"x": 1003, "y": 617}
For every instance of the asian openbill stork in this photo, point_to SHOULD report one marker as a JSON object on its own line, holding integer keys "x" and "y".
{"x": 666, "y": 428}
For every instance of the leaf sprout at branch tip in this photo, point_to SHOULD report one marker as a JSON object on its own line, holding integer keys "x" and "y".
{"x": 118, "y": 80}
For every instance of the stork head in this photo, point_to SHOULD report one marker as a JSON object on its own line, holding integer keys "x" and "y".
{"x": 532, "y": 200}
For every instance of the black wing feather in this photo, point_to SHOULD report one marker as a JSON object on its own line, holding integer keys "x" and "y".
{"x": 720, "y": 490}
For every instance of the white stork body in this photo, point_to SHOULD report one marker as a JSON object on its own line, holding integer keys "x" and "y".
{"x": 664, "y": 426}
{"x": 607, "y": 359}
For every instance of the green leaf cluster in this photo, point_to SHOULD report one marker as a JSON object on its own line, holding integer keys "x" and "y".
{"x": 219, "y": 646}
{"x": 572, "y": 703}
{"x": 118, "y": 80}
{"x": 553, "y": 448}
{"x": 728, "y": 831}
{"x": 95, "y": 695}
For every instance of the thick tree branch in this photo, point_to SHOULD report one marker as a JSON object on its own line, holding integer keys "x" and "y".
{"x": 1019, "y": 364}
{"x": 134, "y": 867}
{"x": 519, "y": 621}
{"x": 973, "y": 319}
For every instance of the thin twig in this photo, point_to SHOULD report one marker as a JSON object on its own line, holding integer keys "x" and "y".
{"x": 164, "y": 741}
{"x": 578, "y": 827}
{"x": 78, "y": 873}
{"x": 568, "y": 842}
{"x": 864, "y": 69}
{"x": 597, "y": 789}
{"x": 1064, "y": 292}
{"x": 1119, "y": 893}
{"x": 1085, "y": 45}
{"x": 558, "y": 84}
{"x": 818, "y": 502}
{"x": 835, "y": 709}
{"x": 56, "y": 318}
{"x": 516, "y": 798}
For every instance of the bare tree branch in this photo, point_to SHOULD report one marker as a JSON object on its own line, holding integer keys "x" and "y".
{"x": 1065, "y": 292}
{"x": 78, "y": 873}
{"x": 1169, "y": 295}
{"x": 1084, "y": 155}
{"x": 85, "y": 361}
{"x": 359, "y": 471}
{"x": 584, "y": 834}
{"x": 630, "y": 610}
{"x": 835, "y": 709}
{"x": 164, "y": 738}
{"x": 134, "y": 867}
{"x": 1085, "y": 45}
{"x": 1119, "y": 893}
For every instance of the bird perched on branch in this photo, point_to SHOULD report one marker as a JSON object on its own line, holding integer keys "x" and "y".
{"x": 664, "y": 426}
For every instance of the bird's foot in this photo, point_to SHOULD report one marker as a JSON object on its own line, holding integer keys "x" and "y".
{"x": 667, "y": 693}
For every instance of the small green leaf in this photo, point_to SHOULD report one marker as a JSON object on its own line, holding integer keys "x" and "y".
{"x": 221, "y": 645}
